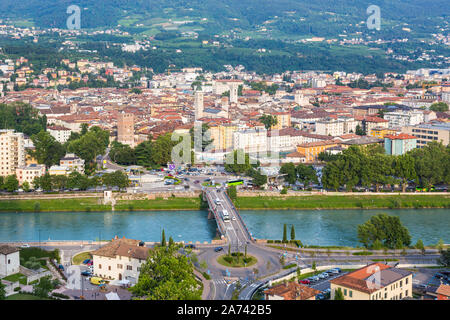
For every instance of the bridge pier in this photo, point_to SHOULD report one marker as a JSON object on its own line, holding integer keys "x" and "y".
{"x": 210, "y": 214}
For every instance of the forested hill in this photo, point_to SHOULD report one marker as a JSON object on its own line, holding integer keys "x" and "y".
{"x": 318, "y": 17}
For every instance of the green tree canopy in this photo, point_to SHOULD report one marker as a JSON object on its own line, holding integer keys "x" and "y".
{"x": 167, "y": 275}
{"x": 387, "y": 229}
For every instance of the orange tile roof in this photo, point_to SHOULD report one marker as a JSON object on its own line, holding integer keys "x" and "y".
{"x": 292, "y": 291}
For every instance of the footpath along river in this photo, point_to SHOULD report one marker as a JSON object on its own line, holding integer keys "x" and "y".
{"x": 313, "y": 227}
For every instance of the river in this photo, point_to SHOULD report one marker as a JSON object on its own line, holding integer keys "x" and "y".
{"x": 313, "y": 227}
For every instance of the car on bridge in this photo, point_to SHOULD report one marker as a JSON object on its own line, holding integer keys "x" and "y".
{"x": 189, "y": 246}
{"x": 218, "y": 249}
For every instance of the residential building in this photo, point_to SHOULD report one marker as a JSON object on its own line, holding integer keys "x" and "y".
{"x": 376, "y": 281}
{"x": 9, "y": 260}
{"x": 125, "y": 128}
{"x": 198, "y": 105}
{"x": 336, "y": 127}
{"x": 425, "y": 133}
{"x": 60, "y": 133}
{"x": 443, "y": 292}
{"x": 12, "y": 152}
{"x": 250, "y": 140}
{"x": 28, "y": 173}
{"x": 291, "y": 291}
{"x": 283, "y": 120}
{"x": 361, "y": 141}
{"x": 222, "y": 136}
{"x": 120, "y": 260}
{"x": 72, "y": 162}
{"x": 312, "y": 150}
{"x": 399, "y": 144}
{"x": 58, "y": 171}
{"x": 380, "y": 132}
{"x": 398, "y": 119}
{"x": 285, "y": 139}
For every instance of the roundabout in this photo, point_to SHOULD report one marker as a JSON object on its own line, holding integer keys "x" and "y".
{"x": 237, "y": 260}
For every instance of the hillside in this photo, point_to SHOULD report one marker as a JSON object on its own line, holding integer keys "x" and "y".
{"x": 267, "y": 18}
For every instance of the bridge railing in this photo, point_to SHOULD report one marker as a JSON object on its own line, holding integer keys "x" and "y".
{"x": 239, "y": 217}
{"x": 216, "y": 214}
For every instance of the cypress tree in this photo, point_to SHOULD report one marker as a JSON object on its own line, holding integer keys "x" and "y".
{"x": 284, "y": 233}
{"x": 163, "y": 239}
{"x": 292, "y": 233}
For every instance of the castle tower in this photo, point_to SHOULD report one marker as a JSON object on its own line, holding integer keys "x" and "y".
{"x": 234, "y": 93}
{"x": 198, "y": 104}
{"x": 125, "y": 128}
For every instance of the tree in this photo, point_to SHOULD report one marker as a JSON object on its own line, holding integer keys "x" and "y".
{"x": 299, "y": 272}
{"x": 387, "y": 229}
{"x": 237, "y": 162}
{"x": 163, "y": 239}
{"x": 167, "y": 275}
{"x": 2, "y": 291}
{"x": 290, "y": 172}
{"x": 359, "y": 131}
{"x": 404, "y": 169}
{"x": 419, "y": 245}
{"x": 268, "y": 120}
{"x": 116, "y": 179}
{"x": 444, "y": 260}
{"x": 93, "y": 143}
{"x": 258, "y": 179}
{"x": 203, "y": 137}
{"x": 232, "y": 193}
{"x": 122, "y": 154}
{"x": 338, "y": 295}
{"x": 47, "y": 150}
{"x": 439, "y": 107}
{"x": 313, "y": 265}
{"x": 11, "y": 183}
{"x": 377, "y": 245}
{"x": 43, "y": 288}
{"x": 26, "y": 186}
{"x": 306, "y": 174}
{"x": 284, "y": 234}
{"x": 292, "y": 233}
{"x": 171, "y": 243}
{"x": 440, "y": 245}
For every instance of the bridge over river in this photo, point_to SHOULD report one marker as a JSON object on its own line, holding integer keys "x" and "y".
{"x": 235, "y": 231}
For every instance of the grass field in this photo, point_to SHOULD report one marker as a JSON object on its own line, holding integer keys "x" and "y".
{"x": 17, "y": 277}
{"x": 250, "y": 203}
{"x": 24, "y": 296}
{"x": 79, "y": 258}
{"x": 344, "y": 202}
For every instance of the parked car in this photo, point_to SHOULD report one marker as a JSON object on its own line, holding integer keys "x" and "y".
{"x": 323, "y": 275}
{"x": 86, "y": 261}
{"x": 86, "y": 273}
{"x": 96, "y": 280}
{"x": 320, "y": 296}
{"x": 306, "y": 281}
{"x": 333, "y": 271}
{"x": 439, "y": 275}
{"x": 218, "y": 249}
{"x": 314, "y": 278}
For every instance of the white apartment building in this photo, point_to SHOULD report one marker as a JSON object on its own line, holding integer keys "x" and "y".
{"x": 72, "y": 162}
{"x": 60, "y": 133}
{"x": 28, "y": 173}
{"x": 120, "y": 260}
{"x": 336, "y": 127}
{"x": 284, "y": 140}
{"x": 250, "y": 140}
{"x": 12, "y": 152}
{"x": 398, "y": 119}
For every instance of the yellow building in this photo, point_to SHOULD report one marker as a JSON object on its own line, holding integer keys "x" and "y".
{"x": 222, "y": 136}
{"x": 380, "y": 132}
{"x": 374, "y": 282}
{"x": 313, "y": 149}
{"x": 283, "y": 120}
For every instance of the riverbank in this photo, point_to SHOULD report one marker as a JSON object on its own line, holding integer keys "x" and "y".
{"x": 243, "y": 203}
{"x": 344, "y": 202}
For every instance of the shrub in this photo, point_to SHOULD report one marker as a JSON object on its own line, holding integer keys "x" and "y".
{"x": 228, "y": 259}
{"x": 284, "y": 191}
{"x": 60, "y": 295}
{"x": 206, "y": 276}
{"x": 362, "y": 253}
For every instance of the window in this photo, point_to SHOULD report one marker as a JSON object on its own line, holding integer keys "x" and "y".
{"x": 9, "y": 261}
{"x": 119, "y": 266}
{"x": 350, "y": 293}
{"x": 99, "y": 266}
{"x": 401, "y": 283}
{"x": 385, "y": 295}
{"x": 129, "y": 268}
{"x": 109, "y": 268}
{"x": 406, "y": 293}
{"x": 406, "y": 281}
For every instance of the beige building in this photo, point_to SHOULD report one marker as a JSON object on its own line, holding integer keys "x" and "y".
{"x": 12, "y": 152}
{"x": 125, "y": 129}
{"x": 60, "y": 133}
{"x": 120, "y": 260}
{"x": 425, "y": 133}
{"x": 374, "y": 282}
{"x": 28, "y": 173}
